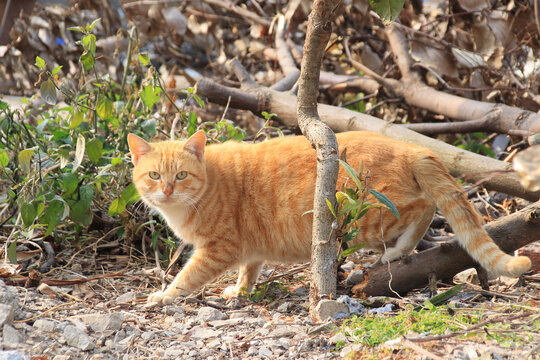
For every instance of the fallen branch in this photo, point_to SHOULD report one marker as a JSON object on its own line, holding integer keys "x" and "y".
{"x": 458, "y": 161}
{"x": 509, "y": 233}
{"x": 415, "y": 92}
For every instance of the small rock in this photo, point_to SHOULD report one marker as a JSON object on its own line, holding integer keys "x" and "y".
{"x": 214, "y": 344}
{"x": 7, "y": 313}
{"x": 383, "y": 309}
{"x": 104, "y": 322}
{"x": 174, "y": 353}
{"x": 47, "y": 290}
{"x": 285, "y": 331}
{"x": 13, "y": 355}
{"x": 199, "y": 332}
{"x": 348, "y": 266}
{"x": 355, "y": 277}
{"x": 148, "y": 335}
{"x": 339, "y": 337}
{"x": 354, "y": 306}
{"x": 62, "y": 357}
{"x": 77, "y": 338}
{"x": 44, "y": 325}
{"x": 11, "y": 337}
{"x": 208, "y": 313}
{"x": 285, "y": 307}
{"x": 265, "y": 352}
{"x": 223, "y": 323}
{"x": 330, "y": 309}
{"x": 301, "y": 291}
{"x": 127, "y": 297}
{"x": 252, "y": 351}
{"x": 173, "y": 310}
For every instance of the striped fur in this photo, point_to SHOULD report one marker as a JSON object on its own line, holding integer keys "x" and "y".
{"x": 241, "y": 204}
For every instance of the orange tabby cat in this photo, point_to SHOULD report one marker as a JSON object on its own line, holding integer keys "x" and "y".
{"x": 241, "y": 205}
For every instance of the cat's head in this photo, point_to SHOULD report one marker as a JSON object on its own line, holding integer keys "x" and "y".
{"x": 169, "y": 173}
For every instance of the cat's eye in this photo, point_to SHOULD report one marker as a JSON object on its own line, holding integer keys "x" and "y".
{"x": 181, "y": 175}
{"x": 154, "y": 175}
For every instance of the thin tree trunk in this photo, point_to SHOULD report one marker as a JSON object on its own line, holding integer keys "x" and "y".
{"x": 322, "y": 138}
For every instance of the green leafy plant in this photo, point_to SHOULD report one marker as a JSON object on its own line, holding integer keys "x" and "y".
{"x": 352, "y": 204}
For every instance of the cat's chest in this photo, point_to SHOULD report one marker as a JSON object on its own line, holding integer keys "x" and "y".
{"x": 181, "y": 222}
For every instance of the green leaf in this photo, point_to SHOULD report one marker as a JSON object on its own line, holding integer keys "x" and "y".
{"x": 149, "y": 95}
{"x": 192, "y": 124}
{"x": 79, "y": 152}
{"x": 90, "y": 27}
{"x": 48, "y": 92}
{"x": 104, "y": 108}
{"x": 116, "y": 161}
{"x": 117, "y": 207}
{"x": 56, "y": 70}
{"x": 385, "y": 201}
{"x": 28, "y": 213}
{"x": 352, "y": 250}
{"x": 53, "y": 215}
{"x": 130, "y": 194}
{"x": 86, "y": 194}
{"x": 144, "y": 58}
{"x": 351, "y": 235}
{"x": 331, "y": 207}
{"x": 76, "y": 119}
{"x": 352, "y": 173}
{"x": 149, "y": 126}
{"x": 76, "y": 28}
{"x": 89, "y": 43}
{"x": 40, "y": 63}
{"x": 87, "y": 60}
{"x": 4, "y": 158}
{"x": 3, "y": 105}
{"x": 69, "y": 183}
{"x": 200, "y": 101}
{"x": 25, "y": 158}
{"x": 94, "y": 149}
{"x": 388, "y": 10}
{"x": 12, "y": 252}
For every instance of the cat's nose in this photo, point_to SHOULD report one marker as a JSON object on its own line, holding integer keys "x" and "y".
{"x": 168, "y": 189}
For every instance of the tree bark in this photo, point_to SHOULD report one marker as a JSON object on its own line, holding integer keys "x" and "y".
{"x": 509, "y": 233}
{"x": 322, "y": 138}
{"x": 458, "y": 161}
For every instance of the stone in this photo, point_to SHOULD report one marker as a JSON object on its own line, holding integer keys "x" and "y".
{"x": 301, "y": 291}
{"x": 148, "y": 335}
{"x": 44, "y": 325}
{"x": 355, "y": 277}
{"x": 13, "y": 355}
{"x": 172, "y": 310}
{"x": 224, "y": 323}
{"x": 199, "y": 332}
{"x": 62, "y": 357}
{"x": 383, "y": 309}
{"x": 208, "y": 313}
{"x": 284, "y": 331}
{"x": 77, "y": 338}
{"x": 7, "y": 313}
{"x": 339, "y": 337}
{"x": 265, "y": 352}
{"x": 10, "y": 337}
{"x": 127, "y": 297}
{"x": 354, "y": 306}
{"x": 285, "y": 307}
{"x": 104, "y": 322}
{"x": 330, "y": 309}
{"x": 348, "y": 266}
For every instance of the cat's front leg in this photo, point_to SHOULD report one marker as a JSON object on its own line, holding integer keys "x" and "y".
{"x": 206, "y": 263}
{"x": 247, "y": 276}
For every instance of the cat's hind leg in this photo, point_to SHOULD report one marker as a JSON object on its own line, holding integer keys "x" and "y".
{"x": 206, "y": 263}
{"x": 407, "y": 241}
{"x": 247, "y": 275}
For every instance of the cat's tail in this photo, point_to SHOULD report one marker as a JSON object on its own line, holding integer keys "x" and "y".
{"x": 448, "y": 196}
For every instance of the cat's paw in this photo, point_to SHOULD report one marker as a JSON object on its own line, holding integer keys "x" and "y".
{"x": 161, "y": 298}
{"x": 230, "y": 292}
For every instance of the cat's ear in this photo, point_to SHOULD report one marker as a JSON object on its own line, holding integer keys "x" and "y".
{"x": 195, "y": 144}
{"x": 138, "y": 147}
